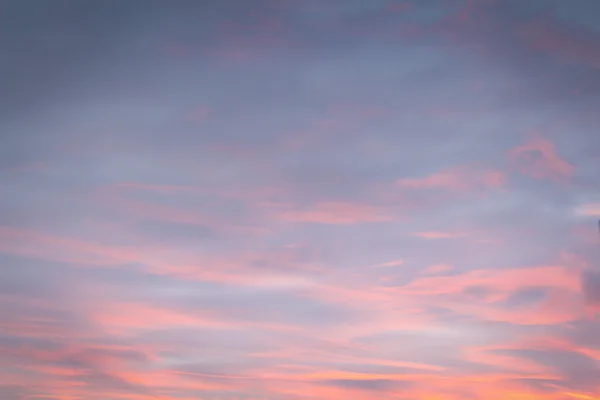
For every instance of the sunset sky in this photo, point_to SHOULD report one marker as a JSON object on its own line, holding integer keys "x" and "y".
{"x": 299, "y": 200}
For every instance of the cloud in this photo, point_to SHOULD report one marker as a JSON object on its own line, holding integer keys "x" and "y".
{"x": 590, "y": 281}
{"x": 506, "y": 362}
{"x": 588, "y": 210}
{"x": 334, "y": 213}
{"x": 538, "y": 158}
{"x": 574, "y": 43}
{"x": 437, "y": 268}
{"x": 462, "y": 179}
{"x": 156, "y": 211}
{"x": 296, "y": 200}
{"x": 371, "y": 384}
{"x": 123, "y": 317}
{"x": 577, "y": 369}
{"x": 389, "y": 264}
{"x": 492, "y": 295}
{"x": 38, "y": 244}
{"x": 441, "y": 235}
{"x": 502, "y": 281}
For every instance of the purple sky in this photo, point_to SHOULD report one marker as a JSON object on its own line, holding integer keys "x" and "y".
{"x": 299, "y": 199}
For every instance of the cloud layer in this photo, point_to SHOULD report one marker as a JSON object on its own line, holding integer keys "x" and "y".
{"x": 299, "y": 200}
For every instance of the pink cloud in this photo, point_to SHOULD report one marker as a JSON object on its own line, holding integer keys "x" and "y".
{"x": 251, "y": 194}
{"x": 162, "y": 212}
{"x": 549, "y": 342}
{"x": 400, "y": 6}
{"x": 442, "y": 234}
{"x": 119, "y": 199}
{"x": 462, "y": 179}
{"x": 501, "y": 281}
{"x": 335, "y": 120}
{"x": 557, "y": 308}
{"x": 154, "y": 188}
{"x": 437, "y": 268}
{"x": 50, "y": 247}
{"x": 562, "y": 303}
{"x": 334, "y": 213}
{"x": 445, "y": 386}
{"x": 589, "y": 210}
{"x": 486, "y": 355}
{"x": 539, "y": 159}
{"x": 27, "y": 167}
{"x": 232, "y": 269}
{"x": 201, "y": 113}
{"x": 230, "y": 255}
{"x": 573, "y": 43}
{"x": 387, "y": 264}
{"x": 120, "y": 318}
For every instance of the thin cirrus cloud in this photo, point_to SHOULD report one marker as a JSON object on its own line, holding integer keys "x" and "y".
{"x": 457, "y": 179}
{"x": 589, "y": 210}
{"x": 335, "y": 213}
{"x": 442, "y": 234}
{"x": 299, "y": 200}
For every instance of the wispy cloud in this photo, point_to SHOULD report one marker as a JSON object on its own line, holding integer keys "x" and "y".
{"x": 442, "y": 234}
{"x": 335, "y": 213}
{"x": 538, "y": 158}
{"x": 589, "y": 210}
{"x": 457, "y": 179}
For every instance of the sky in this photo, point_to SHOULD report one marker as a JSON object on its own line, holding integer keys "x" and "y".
{"x": 299, "y": 199}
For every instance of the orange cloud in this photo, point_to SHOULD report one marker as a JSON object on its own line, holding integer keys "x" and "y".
{"x": 326, "y": 375}
{"x": 538, "y": 158}
{"x": 54, "y": 384}
{"x": 334, "y": 213}
{"x": 458, "y": 179}
{"x": 583, "y": 396}
{"x": 446, "y": 386}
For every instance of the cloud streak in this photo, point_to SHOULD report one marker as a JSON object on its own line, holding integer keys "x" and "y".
{"x": 538, "y": 159}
